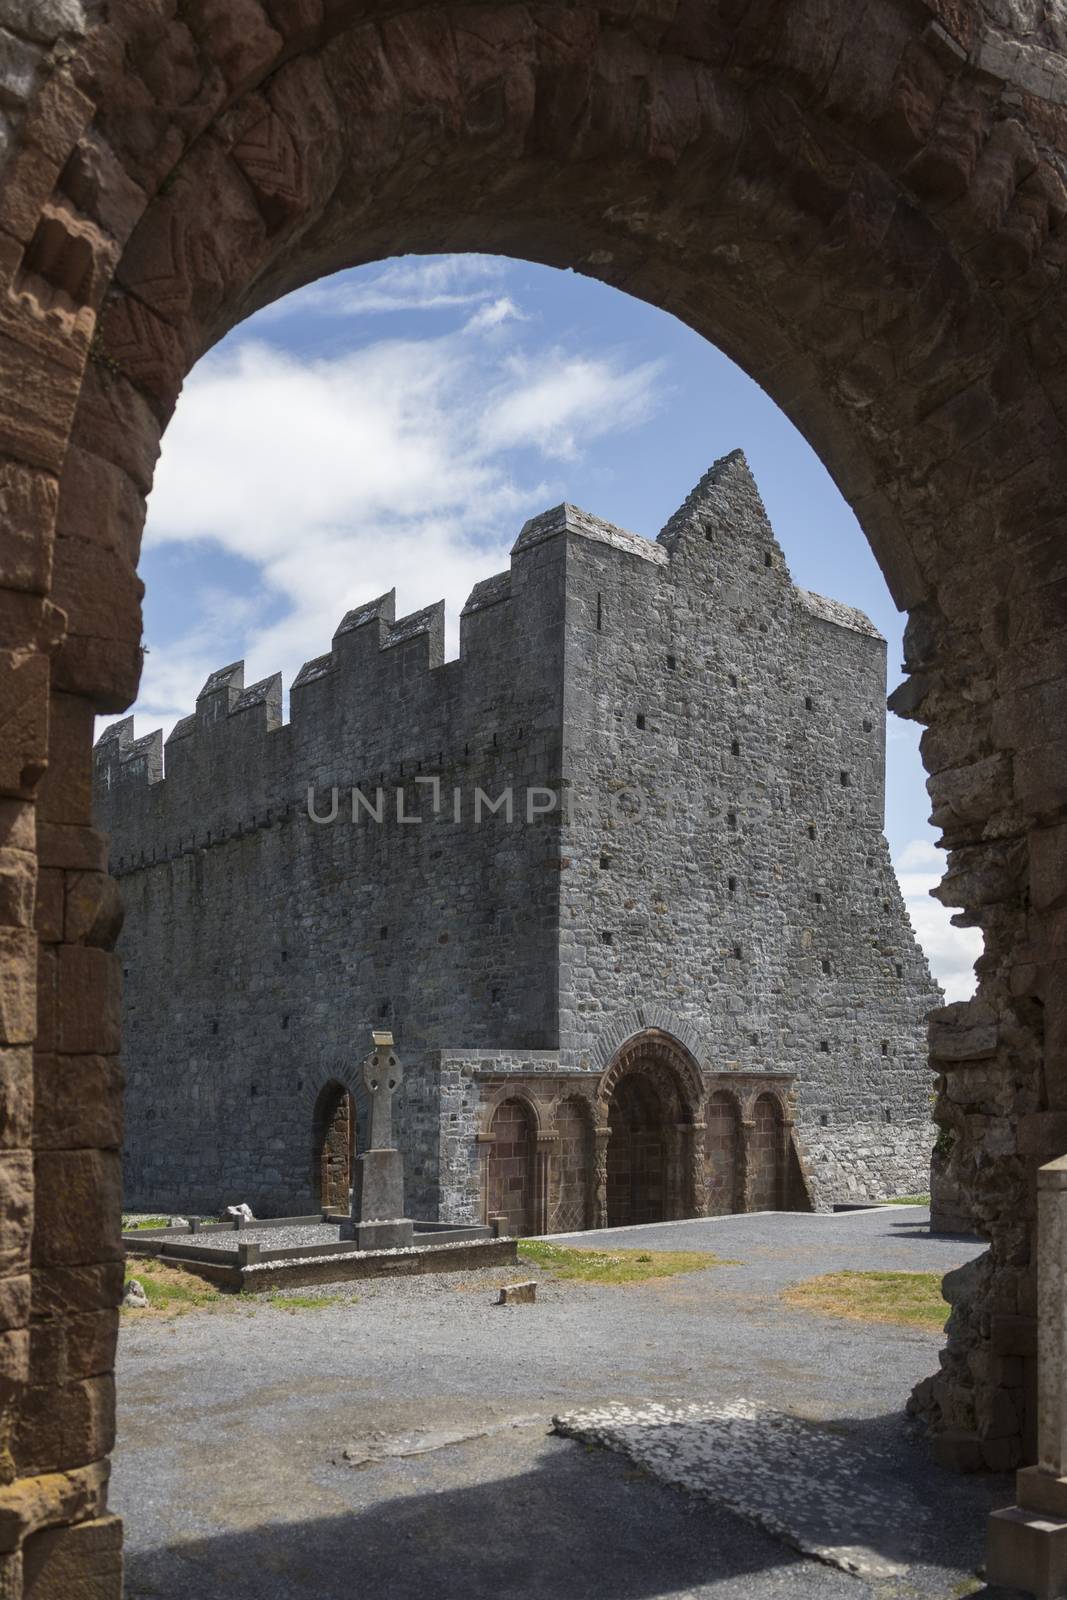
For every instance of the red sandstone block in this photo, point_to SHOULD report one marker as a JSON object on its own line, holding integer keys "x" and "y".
{"x": 100, "y": 592}
{"x": 116, "y": 422}
{"x": 82, "y": 1562}
{"x": 18, "y": 973}
{"x": 16, "y": 1211}
{"x": 14, "y": 1303}
{"x": 77, "y": 1102}
{"x": 145, "y": 349}
{"x": 48, "y": 916}
{"x": 18, "y": 889}
{"x": 236, "y": 35}
{"x": 73, "y": 848}
{"x": 60, "y": 113}
{"x": 78, "y": 1207}
{"x": 94, "y": 909}
{"x": 87, "y": 1001}
{"x": 18, "y": 825}
{"x": 64, "y": 1291}
{"x": 100, "y": 504}
{"x": 24, "y": 718}
{"x": 14, "y": 1363}
{"x": 67, "y": 791}
{"x": 298, "y": 20}
{"x": 100, "y": 186}
{"x": 63, "y": 1349}
{"x": 66, "y": 1427}
{"x": 16, "y": 1096}
{"x": 37, "y": 400}
{"x": 29, "y": 178}
{"x": 28, "y": 500}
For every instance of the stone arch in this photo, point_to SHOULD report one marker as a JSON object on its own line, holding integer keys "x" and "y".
{"x": 896, "y": 288}
{"x": 649, "y": 1100}
{"x": 724, "y": 1154}
{"x": 512, "y": 1091}
{"x": 511, "y": 1163}
{"x": 665, "y": 1059}
{"x": 333, "y": 1146}
{"x": 349, "y": 1077}
{"x": 766, "y": 1163}
{"x": 571, "y": 1190}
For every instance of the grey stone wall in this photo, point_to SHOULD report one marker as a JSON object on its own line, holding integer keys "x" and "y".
{"x": 751, "y": 910}
{"x": 260, "y": 947}
{"x": 755, "y": 902}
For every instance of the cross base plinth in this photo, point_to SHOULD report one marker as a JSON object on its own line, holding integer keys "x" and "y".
{"x": 396, "y": 1235}
{"x": 377, "y": 1221}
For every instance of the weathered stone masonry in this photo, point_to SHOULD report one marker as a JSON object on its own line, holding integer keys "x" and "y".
{"x": 693, "y": 750}
{"x": 870, "y": 220}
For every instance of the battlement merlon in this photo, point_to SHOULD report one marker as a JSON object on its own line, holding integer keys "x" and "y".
{"x": 724, "y": 507}
{"x": 837, "y": 613}
{"x": 119, "y": 757}
{"x": 567, "y": 518}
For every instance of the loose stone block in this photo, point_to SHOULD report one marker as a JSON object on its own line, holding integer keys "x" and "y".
{"x": 517, "y": 1294}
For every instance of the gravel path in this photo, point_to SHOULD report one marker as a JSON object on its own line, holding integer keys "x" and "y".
{"x": 397, "y": 1441}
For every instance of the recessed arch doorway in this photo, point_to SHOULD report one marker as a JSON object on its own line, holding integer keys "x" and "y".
{"x": 333, "y": 1147}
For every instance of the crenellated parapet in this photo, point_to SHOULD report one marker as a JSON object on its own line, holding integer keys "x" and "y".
{"x": 383, "y": 705}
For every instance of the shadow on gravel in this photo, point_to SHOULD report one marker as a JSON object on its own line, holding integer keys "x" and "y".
{"x": 580, "y": 1524}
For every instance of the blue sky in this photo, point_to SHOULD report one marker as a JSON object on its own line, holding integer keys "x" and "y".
{"x": 397, "y": 424}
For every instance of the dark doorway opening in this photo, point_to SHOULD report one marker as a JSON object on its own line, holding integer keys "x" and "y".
{"x": 335, "y": 1143}
{"x": 636, "y": 1154}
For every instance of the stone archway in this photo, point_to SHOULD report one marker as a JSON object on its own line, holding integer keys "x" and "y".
{"x": 869, "y": 220}
{"x": 511, "y": 1179}
{"x": 334, "y": 1145}
{"x": 724, "y": 1156}
{"x": 648, "y": 1099}
{"x": 766, "y": 1156}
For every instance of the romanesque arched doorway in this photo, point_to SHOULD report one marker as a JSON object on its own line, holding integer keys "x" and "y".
{"x": 648, "y": 1099}
{"x": 509, "y": 1189}
{"x": 722, "y": 1146}
{"x": 571, "y": 1198}
{"x": 766, "y": 1175}
{"x": 637, "y": 1154}
{"x": 333, "y": 1146}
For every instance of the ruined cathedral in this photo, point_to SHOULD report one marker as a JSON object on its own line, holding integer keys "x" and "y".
{"x": 615, "y": 877}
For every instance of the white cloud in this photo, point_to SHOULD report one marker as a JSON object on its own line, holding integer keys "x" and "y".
{"x": 493, "y": 314}
{"x": 950, "y": 951}
{"x": 435, "y": 283}
{"x": 562, "y": 400}
{"x": 394, "y": 463}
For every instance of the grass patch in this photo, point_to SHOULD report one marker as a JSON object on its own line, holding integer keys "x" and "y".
{"x": 300, "y": 1302}
{"x": 145, "y": 1222}
{"x": 169, "y": 1289}
{"x": 910, "y": 1200}
{"x": 616, "y": 1266}
{"x": 911, "y": 1299}
{"x": 171, "y": 1292}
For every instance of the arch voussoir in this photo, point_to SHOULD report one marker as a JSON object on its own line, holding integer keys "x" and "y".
{"x": 870, "y": 220}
